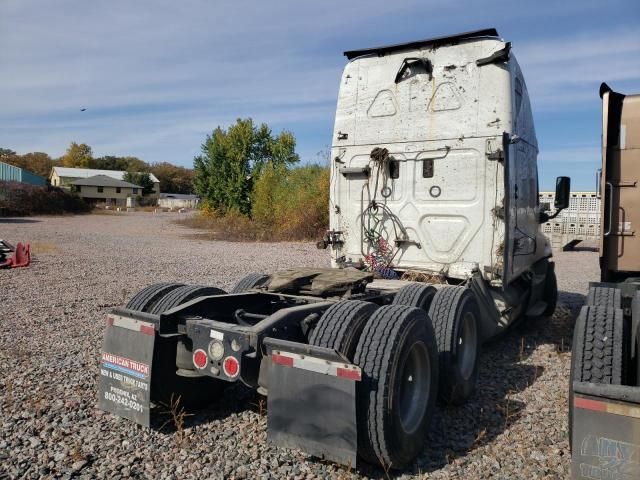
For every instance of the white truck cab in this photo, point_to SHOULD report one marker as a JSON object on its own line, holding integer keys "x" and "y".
{"x": 434, "y": 161}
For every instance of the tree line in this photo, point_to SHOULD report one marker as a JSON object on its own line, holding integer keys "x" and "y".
{"x": 173, "y": 178}
{"x": 245, "y": 174}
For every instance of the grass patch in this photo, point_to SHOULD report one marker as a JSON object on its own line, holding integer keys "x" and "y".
{"x": 238, "y": 228}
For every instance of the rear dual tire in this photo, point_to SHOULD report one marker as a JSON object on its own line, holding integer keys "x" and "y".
{"x": 454, "y": 313}
{"x": 419, "y": 295}
{"x": 395, "y": 348}
{"x": 398, "y": 356}
{"x": 341, "y": 325}
{"x": 253, "y": 280}
{"x": 145, "y": 299}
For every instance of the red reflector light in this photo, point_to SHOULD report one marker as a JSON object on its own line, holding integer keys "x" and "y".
{"x": 587, "y": 404}
{"x": 200, "y": 358}
{"x": 349, "y": 373}
{"x": 282, "y": 360}
{"x": 147, "y": 329}
{"x": 231, "y": 367}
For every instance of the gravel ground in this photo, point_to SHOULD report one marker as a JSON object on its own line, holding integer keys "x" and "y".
{"x": 52, "y": 320}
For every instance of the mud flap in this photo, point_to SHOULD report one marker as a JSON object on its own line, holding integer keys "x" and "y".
{"x": 311, "y": 403}
{"x": 124, "y": 386}
{"x": 606, "y": 432}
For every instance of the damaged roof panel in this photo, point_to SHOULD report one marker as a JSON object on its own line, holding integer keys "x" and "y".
{"x": 487, "y": 32}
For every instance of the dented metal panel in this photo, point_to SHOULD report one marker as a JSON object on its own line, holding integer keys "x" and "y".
{"x": 450, "y": 112}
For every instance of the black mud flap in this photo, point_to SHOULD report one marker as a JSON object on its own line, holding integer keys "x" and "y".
{"x": 606, "y": 432}
{"x": 124, "y": 386}
{"x": 311, "y": 402}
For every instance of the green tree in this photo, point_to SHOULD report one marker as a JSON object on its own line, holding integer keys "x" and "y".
{"x": 110, "y": 162}
{"x": 78, "y": 155}
{"x": 140, "y": 178}
{"x": 232, "y": 159}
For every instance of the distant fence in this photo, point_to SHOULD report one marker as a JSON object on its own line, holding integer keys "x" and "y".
{"x": 579, "y": 222}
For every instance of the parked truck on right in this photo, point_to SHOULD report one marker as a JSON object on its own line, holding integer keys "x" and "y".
{"x": 604, "y": 396}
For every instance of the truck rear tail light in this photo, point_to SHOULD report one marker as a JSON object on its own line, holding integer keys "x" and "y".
{"x": 200, "y": 359}
{"x": 231, "y": 367}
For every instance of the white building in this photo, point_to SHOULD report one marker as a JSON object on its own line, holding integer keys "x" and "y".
{"x": 178, "y": 200}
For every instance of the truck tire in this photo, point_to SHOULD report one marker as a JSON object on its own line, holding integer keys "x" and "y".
{"x": 398, "y": 356}
{"x": 144, "y": 300}
{"x": 417, "y": 295}
{"x": 597, "y": 351}
{"x": 182, "y": 295}
{"x": 252, "y": 280}
{"x": 550, "y": 293}
{"x": 340, "y": 326}
{"x": 454, "y": 314}
{"x": 604, "y": 297}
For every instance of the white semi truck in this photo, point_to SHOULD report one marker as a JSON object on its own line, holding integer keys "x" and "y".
{"x": 435, "y": 244}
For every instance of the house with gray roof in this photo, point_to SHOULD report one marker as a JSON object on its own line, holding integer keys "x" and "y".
{"x": 65, "y": 176}
{"x": 105, "y": 189}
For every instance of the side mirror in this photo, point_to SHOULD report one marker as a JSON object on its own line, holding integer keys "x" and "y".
{"x": 563, "y": 191}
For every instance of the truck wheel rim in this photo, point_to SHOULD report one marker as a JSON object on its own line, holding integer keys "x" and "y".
{"x": 414, "y": 387}
{"x": 467, "y": 346}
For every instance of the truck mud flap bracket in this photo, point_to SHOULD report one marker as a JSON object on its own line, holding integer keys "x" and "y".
{"x": 311, "y": 402}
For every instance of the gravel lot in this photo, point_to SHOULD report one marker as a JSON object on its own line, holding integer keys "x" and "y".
{"x": 52, "y": 319}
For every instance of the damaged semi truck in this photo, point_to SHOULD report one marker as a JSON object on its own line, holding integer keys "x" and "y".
{"x": 604, "y": 395}
{"x": 435, "y": 245}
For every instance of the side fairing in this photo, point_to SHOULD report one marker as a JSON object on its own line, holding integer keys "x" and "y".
{"x": 524, "y": 243}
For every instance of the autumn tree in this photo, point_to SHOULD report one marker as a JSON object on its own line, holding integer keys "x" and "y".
{"x": 231, "y": 159}
{"x": 173, "y": 179}
{"x": 78, "y": 155}
{"x": 39, "y": 163}
{"x": 135, "y": 164}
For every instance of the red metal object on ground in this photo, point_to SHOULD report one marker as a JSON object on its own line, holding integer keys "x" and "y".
{"x": 21, "y": 257}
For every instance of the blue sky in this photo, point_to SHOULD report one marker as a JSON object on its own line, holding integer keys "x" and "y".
{"x": 157, "y": 76}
